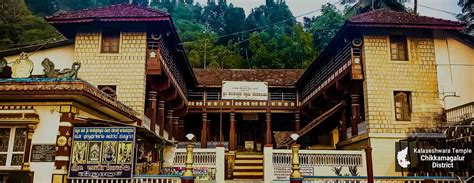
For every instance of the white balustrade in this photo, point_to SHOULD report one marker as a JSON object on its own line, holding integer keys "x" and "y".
{"x": 139, "y": 179}
{"x": 204, "y": 158}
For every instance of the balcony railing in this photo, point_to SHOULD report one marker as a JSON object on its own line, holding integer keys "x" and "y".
{"x": 460, "y": 113}
{"x": 378, "y": 179}
{"x": 135, "y": 179}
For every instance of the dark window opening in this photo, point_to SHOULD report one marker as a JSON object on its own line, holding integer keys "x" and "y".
{"x": 398, "y": 47}
{"x": 402, "y": 100}
{"x": 110, "y": 41}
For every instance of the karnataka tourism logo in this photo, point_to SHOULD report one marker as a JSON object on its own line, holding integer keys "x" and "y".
{"x": 402, "y": 158}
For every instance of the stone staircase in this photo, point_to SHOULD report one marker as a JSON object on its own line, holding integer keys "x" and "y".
{"x": 248, "y": 166}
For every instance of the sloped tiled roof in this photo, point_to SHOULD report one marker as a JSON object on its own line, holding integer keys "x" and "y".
{"x": 389, "y": 18}
{"x": 118, "y": 12}
{"x": 274, "y": 77}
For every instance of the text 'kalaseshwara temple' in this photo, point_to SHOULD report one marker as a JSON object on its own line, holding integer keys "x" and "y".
{"x": 116, "y": 100}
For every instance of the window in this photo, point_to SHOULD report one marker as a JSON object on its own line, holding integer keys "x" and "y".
{"x": 110, "y": 90}
{"x": 12, "y": 146}
{"x": 398, "y": 48}
{"x": 402, "y": 105}
{"x": 110, "y": 41}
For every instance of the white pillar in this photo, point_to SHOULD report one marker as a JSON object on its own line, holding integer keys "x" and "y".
{"x": 220, "y": 164}
{"x": 268, "y": 172}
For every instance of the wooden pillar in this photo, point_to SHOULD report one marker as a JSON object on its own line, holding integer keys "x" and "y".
{"x": 151, "y": 109}
{"x": 26, "y": 158}
{"x": 181, "y": 130}
{"x": 355, "y": 117}
{"x": 232, "y": 143}
{"x": 368, "y": 159}
{"x": 161, "y": 117}
{"x": 204, "y": 130}
{"x": 297, "y": 122}
{"x": 169, "y": 124}
{"x": 208, "y": 130}
{"x": 175, "y": 127}
{"x": 268, "y": 130}
{"x": 343, "y": 125}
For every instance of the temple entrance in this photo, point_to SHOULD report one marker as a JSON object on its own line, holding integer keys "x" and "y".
{"x": 250, "y": 128}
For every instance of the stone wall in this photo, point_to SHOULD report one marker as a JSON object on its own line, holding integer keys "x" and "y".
{"x": 384, "y": 76}
{"x": 125, "y": 69}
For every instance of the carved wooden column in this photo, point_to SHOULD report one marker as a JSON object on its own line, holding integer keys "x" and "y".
{"x": 343, "y": 125}
{"x": 26, "y": 158}
{"x": 297, "y": 122}
{"x": 208, "y": 130}
{"x": 151, "y": 109}
{"x": 268, "y": 129}
{"x": 181, "y": 130}
{"x": 169, "y": 124}
{"x": 161, "y": 117}
{"x": 175, "y": 127}
{"x": 204, "y": 130}
{"x": 355, "y": 117}
{"x": 232, "y": 145}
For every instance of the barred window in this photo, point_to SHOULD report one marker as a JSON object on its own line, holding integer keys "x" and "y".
{"x": 110, "y": 41}
{"x": 402, "y": 105}
{"x": 12, "y": 146}
{"x": 398, "y": 47}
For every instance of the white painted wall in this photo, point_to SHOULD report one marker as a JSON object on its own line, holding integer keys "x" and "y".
{"x": 45, "y": 133}
{"x": 455, "y": 59}
{"x": 62, "y": 57}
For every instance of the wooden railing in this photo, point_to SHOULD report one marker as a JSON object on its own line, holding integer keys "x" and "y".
{"x": 377, "y": 179}
{"x": 204, "y": 159}
{"x": 460, "y": 113}
{"x": 135, "y": 179}
{"x": 201, "y": 158}
{"x": 314, "y": 162}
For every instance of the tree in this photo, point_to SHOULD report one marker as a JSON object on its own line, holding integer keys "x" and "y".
{"x": 325, "y": 26}
{"x": 18, "y": 27}
{"x": 467, "y": 15}
{"x": 363, "y": 6}
{"x": 281, "y": 50}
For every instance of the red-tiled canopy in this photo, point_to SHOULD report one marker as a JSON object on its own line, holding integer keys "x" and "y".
{"x": 388, "y": 18}
{"x": 119, "y": 12}
{"x": 274, "y": 77}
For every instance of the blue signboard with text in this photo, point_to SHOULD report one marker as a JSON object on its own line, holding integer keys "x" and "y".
{"x": 102, "y": 152}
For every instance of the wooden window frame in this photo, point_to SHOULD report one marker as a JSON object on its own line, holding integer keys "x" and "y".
{"x": 398, "y": 44}
{"x": 110, "y": 39}
{"x": 10, "y": 152}
{"x": 402, "y": 107}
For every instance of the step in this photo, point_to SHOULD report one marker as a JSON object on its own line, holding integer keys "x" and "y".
{"x": 249, "y": 156}
{"x": 248, "y": 174}
{"x": 249, "y": 161}
{"x": 248, "y": 168}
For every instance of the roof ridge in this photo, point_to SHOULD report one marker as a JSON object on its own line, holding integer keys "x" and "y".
{"x": 107, "y": 6}
{"x": 405, "y": 13}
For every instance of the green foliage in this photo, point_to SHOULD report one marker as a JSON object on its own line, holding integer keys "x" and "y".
{"x": 281, "y": 50}
{"x": 467, "y": 15}
{"x": 362, "y": 6}
{"x": 19, "y": 27}
{"x": 324, "y": 27}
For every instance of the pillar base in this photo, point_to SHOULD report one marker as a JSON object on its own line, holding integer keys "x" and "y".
{"x": 296, "y": 180}
{"x": 268, "y": 145}
{"x": 187, "y": 179}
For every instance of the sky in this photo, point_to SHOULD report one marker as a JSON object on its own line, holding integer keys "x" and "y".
{"x": 299, "y": 7}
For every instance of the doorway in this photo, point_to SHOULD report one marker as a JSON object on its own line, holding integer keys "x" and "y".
{"x": 249, "y": 132}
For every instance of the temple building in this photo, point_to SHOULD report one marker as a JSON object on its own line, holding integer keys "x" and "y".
{"x": 386, "y": 78}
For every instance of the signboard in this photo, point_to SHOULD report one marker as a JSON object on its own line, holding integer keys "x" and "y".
{"x": 43, "y": 152}
{"x": 102, "y": 152}
{"x": 239, "y": 90}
